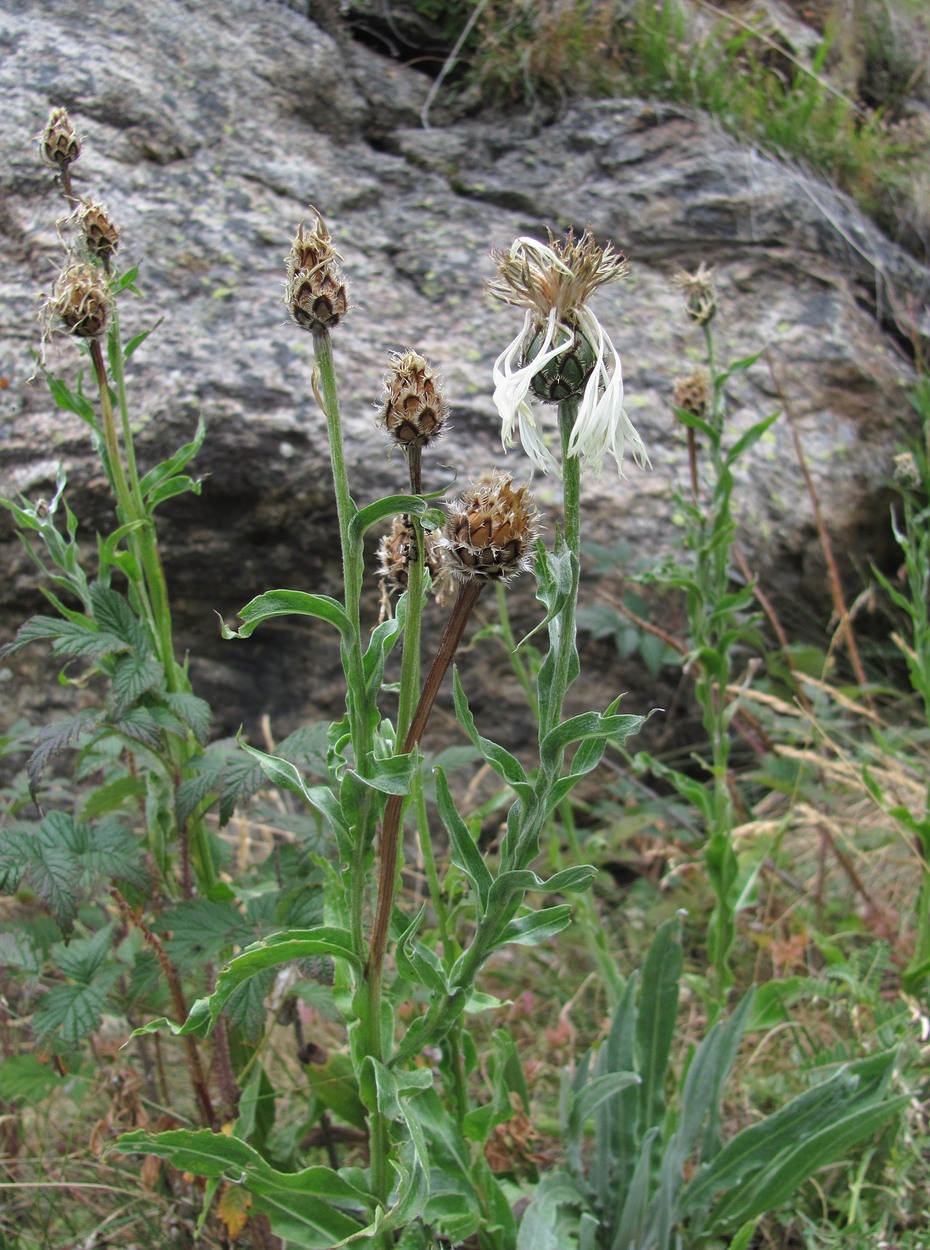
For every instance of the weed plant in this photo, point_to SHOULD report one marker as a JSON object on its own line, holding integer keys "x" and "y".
{"x": 136, "y": 912}
{"x": 700, "y": 56}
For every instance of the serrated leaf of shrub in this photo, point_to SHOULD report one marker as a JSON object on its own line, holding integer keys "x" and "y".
{"x": 51, "y": 739}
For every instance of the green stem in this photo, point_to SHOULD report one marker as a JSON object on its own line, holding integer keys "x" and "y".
{"x": 510, "y": 645}
{"x": 551, "y": 708}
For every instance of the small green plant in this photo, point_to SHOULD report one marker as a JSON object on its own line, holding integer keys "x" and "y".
{"x": 912, "y": 599}
{"x": 719, "y": 610}
{"x": 660, "y": 1172}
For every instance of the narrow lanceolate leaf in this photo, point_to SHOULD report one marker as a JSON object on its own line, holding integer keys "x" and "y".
{"x": 507, "y": 766}
{"x": 289, "y": 603}
{"x": 536, "y": 926}
{"x": 283, "y": 773}
{"x": 270, "y": 952}
{"x": 588, "y": 725}
{"x": 465, "y": 854}
{"x": 655, "y": 1025}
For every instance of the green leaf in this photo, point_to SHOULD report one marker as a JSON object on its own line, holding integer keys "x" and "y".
{"x": 389, "y": 1090}
{"x": 535, "y": 927}
{"x": 113, "y": 614}
{"x": 133, "y": 676}
{"x": 71, "y": 401}
{"x": 139, "y": 339}
{"x": 174, "y": 464}
{"x": 396, "y": 505}
{"x": 335, "y": 1087}
{"x": 72, "y": 1012}
{"x": 507, "y": 766}
{"x": 588, "y": 725}
{"x": 289, "y": 603}
{"x": 541, "y": 1227}
{"x": 51, "y": 739}
{"x": 752, "y": 435}
{"x": 299, "y": 1204}
{"x": 417, "y": 963}
{"x": 193, "y": 711}
{"x": 124, "y": 281}
{"x": 656, "y": 1018}
{"x": 391, "y": 774}
{"x": 764, "y": 1147}
{"x": 777, "y": 1180}
{"x": 270, "y": 952}
{"x": 26, "y": 1078}
{"x": 598, "y": 1090}
{"x": 320, "y": 798}
{"x": 465, "y": 854}
{"x": 201, "y": 930}
{"x": 81, "y": 959}
{"x": 112, "y": 796}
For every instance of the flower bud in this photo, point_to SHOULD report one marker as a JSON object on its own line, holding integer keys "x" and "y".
{"x": 59, "y": 144}
{"x": 414, "y": 410}
{"x": 699, "y": 294}
{"x": 491, "y": 530}
{"x": 694, "y": 393}
{"x": 101, "y": 235}
{"x": 82, "y": 301}
{"x": 315, "y": 290}
{"x": 906, "y": 472}
{"x": 566, "y": 376}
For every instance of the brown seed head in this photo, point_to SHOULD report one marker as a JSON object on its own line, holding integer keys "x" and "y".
{"x": 491, "y": 530}
{"x": 59, "y": 144}
{"x": 693, "y": 393}
{"x": 82, "y": 301}
{"x": 101, "y": 234}
{"x": 413, "y": 410}
{"x": 698, "y": 291}
{"x": 315, "y": 290}
{"x": 395, "y": 553}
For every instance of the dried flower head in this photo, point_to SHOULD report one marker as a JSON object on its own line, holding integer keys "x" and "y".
{"x": 562, "y": 351}
{"x": 82, "y": 301}
{"x": 906, "y": 472}
{"x": 59, "y": 144}
{"x": 101, "y": 234}
{"x": 397, "y": 549}
{"x": 698, "y": 291}
{"x": 694, "y": 393}
{"x": 491, "y": 530}
{"x": 413, "y": 410}
{"x": 315, "y": 290}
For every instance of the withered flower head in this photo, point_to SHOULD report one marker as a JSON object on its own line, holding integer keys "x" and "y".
{"x": 694, "y": 393}
{"x": 906, "y": 472}
{"x": 315, "y": 289}
{"x": 100, "y": 232}
{"x": 491, "y": 530}
{"x": 59, "y": 144}
{"x": 397, "y": 549}
{"x": 413, "y": 411}
{"x": 698, "y": 291}
{"x": 82, "y": 301}
{"x": 562, "y": 351}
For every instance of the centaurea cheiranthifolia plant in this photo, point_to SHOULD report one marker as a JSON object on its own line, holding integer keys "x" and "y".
{"x": 426, "y": 1169}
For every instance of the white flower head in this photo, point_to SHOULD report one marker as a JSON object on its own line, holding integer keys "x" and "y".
{"x": 562, "y": 351}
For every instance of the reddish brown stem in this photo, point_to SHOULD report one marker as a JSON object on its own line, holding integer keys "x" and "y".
{"x": 195, "y": 1066}
{"x": 390, "y": 826}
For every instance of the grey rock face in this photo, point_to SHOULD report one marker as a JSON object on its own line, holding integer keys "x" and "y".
{"x": 208, "y": 129}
